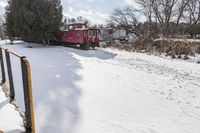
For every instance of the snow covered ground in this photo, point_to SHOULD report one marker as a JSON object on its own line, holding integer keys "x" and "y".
{"x": 10, "y": 119}
{"x": 111, "y": 91}
{"x": 178, "y": 39}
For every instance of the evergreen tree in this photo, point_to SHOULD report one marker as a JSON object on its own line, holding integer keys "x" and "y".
{"x": 33, "y": 20}
{"x": 13, "y": 27}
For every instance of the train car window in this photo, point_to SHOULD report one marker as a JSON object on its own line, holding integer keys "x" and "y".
{"x": 90, "y": 33}
{"x": 71, "y": 27}
{"x": 94, "y": 32}
{"x": 98, "y": 32}
{"x": 79, "y": 26}
{"x": 85, "y": 34}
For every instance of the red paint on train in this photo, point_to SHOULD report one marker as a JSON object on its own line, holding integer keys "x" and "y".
{"x": 78, "y": 34}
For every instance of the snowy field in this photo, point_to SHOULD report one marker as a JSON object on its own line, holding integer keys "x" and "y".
{"x": 10, "y": 119}
{"x": 111, "y": 91}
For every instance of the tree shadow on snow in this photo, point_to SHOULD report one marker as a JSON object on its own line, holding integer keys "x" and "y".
{"x": 15, "y": 131}
{"x": 55, "y": 93}
{"x": 99, "y": 53}
{"x": 2, "y": 104}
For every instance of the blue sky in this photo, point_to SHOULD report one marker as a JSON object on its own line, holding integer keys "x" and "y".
{"x": 96, "y": 11}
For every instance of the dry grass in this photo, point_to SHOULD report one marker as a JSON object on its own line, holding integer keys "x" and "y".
{"x": 173, "y": 48}
{"x": 6, "y": 89}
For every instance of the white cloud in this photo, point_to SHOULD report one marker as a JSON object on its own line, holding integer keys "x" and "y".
{"x": 71, "y": 10}
{"x": 130, "y": 2}
{"x": 3, "y": 4}
{"x": 74, "y": 1}
{"x": 95, "y": 0}
{"x": 93, "y": 15}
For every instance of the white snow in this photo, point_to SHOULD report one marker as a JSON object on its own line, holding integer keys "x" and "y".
{"x": 111, "y": 91}
{"x": 10, "y": 119}
{"x": 178, "y": 39}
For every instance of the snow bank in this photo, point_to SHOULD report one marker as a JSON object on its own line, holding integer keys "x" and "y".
{"x": 177, "y": 39}
{"x": 112, "y": 91}
{"x": 10, "y": 119}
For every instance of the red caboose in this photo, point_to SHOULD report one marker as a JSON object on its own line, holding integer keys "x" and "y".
{"x": 78, "y": 34}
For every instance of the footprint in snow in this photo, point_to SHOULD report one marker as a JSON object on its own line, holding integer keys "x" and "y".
{"x": 197, "y": 107}
{"x": 162, "y": 93}
{"x": 58, "y": 76}
{"x": 50, "y": 65}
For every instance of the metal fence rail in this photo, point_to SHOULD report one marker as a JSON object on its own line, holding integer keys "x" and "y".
{"x": 26, "y": 81}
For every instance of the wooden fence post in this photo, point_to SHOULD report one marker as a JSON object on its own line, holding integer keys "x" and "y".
{"x": 2, "y": 67}
{"x": 10, "y": 77}
{"x": 28, "y": 98}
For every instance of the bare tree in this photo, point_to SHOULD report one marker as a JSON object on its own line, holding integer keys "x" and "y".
{"x": 193, "y": 11}
{"x": 181, "y": 7}
{"x": 126, "y": 18}
{"x": 163, "y": 10}
{"x": 192, "y": 17}
{"x": 171, "y": 16}
{"x": 146, "y": 9}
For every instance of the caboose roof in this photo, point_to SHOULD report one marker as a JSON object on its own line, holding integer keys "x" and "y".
{"x": 77, "y": 29}
{"x": 79, "y": 23}
{"x": 81, "y": 29}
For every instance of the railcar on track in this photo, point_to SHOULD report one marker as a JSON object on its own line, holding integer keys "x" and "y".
{"x": 78, "y": 35}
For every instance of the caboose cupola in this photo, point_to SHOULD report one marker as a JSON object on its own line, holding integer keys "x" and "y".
{"x": 76, "y": 26}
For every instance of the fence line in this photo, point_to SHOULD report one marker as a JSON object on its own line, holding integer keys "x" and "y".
{"x": 27, "y": 85}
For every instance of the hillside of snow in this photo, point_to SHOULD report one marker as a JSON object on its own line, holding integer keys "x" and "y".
{"x": 110, "y": 91}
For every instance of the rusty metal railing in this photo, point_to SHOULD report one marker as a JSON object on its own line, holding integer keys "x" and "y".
{"x": 26, "y": 81}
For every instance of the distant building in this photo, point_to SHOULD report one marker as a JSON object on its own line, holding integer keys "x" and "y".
{"x": 110, "y": 34}
{"x": 131, "y": 38}
{"x": 119, "y": 34}
{"x": 105, "y": 34}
